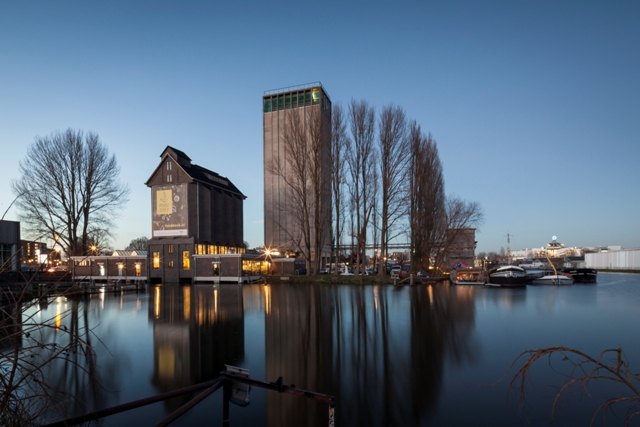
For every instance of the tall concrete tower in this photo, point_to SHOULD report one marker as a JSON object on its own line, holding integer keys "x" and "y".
{"x": 281, "y": 228}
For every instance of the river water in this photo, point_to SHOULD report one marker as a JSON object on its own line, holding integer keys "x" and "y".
{"x": 392, "y": 356}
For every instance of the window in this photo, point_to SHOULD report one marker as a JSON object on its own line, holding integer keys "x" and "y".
{"x": 201, "y": 249}
{"x": 169, "y": 178}
{"x": 120, "y": 269}
{"x": 287, "y": 101}
{"x": 186, "y": 260}
{"x": 170, "y": 263}
{"x": 156, "y": 260}
{"x": 281, "y": 102}
{"x": 267, "y": 105}
{"x": 170, "y": 249}
{"x": 168, "y": 166}
{"x": 307, "y": 97}
{"x": 138, "y": 269}
{"x": 216, "y": 268}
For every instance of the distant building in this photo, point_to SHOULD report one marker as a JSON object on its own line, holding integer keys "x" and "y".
{"x": 281, "y": 230}
{"x": 195, "y": 211}
{"x": 462, "y": 246}
{"x": 10, "y": 258}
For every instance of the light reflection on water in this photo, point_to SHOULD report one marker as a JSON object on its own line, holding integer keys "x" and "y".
{"x": 422, "y": 355}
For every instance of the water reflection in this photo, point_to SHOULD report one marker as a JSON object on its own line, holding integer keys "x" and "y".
{"x": 380, "y": 353}
{"x": 196, "y": 331}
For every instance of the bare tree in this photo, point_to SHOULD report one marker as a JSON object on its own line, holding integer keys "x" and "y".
{"x": 69, "y": 184}
{"x": 393, "y": 145}
{"x": 427, "y": 212}
{"x": 305, "y": 182}
{"x": 339, "y": 144}
{"x": 361, "y": 163}
{"x": 140, "y": 244}
{"x": 460, "y": 215}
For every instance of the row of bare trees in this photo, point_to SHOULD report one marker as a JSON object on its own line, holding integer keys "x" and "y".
{"x": 395, "y": 187}
{"x": 386, "y": 185}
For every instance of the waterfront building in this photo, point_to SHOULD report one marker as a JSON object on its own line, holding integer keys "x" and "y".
{"x": 195, "y": 211}
{"x": 116, "y": 268}
{"x": 9, "y": 245}
{"x": 306, "y": 104}
{"x": 462, "y": 246}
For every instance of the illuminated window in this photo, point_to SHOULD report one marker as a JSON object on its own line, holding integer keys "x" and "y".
{"x": 316, "y": 96}
{"x": 120, "y": 269}
{"x": 138, "y": 269}
{"x": 170, "y": 249}
{"x": 156, "y": 260}
{"x": 170, "y": 263}
{"x": 186, "y": 260}
{"x": 201, "y": 249}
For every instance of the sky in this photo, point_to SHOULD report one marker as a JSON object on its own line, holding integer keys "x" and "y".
{"x": 535, "y": 105}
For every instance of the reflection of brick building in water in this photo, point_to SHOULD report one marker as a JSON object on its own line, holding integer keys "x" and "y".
{"x": 196, "y": 331}
{"x": 195, "y": 211}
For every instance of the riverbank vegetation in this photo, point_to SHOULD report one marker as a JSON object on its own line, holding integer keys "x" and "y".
{"x": 385, "y": 183}
{"x": 578, "y": 372}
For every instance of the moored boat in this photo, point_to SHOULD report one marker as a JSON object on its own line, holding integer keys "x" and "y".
{"x": 554, "y": 279}
{"x": 582, "y": 275}
{"x": 535, "y": 270}
{"x": 508, "y": 276}
{"x": 467, "y": 276}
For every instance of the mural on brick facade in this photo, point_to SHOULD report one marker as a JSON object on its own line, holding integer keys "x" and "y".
{"x": 170, "y": 210}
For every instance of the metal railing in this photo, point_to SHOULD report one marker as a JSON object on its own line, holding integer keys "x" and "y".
{"x": 235, "y": 383}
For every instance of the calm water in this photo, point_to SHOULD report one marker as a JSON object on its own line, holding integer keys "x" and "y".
{"x": 410, "y": 356}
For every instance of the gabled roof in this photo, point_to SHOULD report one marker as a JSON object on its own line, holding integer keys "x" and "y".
{"x": 197, "y": 173}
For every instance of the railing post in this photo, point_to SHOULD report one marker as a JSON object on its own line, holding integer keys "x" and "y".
{"x": 332, "y": 408}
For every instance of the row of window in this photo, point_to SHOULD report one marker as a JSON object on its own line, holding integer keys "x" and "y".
{"x": 218, "y": 250}
{"x": 186, "y": 260}
{"x": 292, "y": 100}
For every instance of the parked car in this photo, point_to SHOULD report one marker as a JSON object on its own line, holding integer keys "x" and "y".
{"x": 422, "y": 273}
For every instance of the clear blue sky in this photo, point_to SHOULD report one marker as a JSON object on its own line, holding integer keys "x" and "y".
{"x": 535, "y": 105}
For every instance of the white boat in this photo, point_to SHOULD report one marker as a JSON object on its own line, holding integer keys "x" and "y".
{"x": 553, "y": 279}
{"x": 536, "y": 270}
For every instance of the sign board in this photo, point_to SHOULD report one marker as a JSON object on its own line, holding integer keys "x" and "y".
{"x": 170, "y": 208}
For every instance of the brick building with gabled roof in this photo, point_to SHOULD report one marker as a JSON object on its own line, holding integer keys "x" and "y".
{"x": 195, "y": 211}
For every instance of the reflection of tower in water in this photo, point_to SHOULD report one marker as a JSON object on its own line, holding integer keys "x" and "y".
{"x": 382, "y": 361}
{"x": 299, "y": 347}
{"x": 197, "y": 329}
